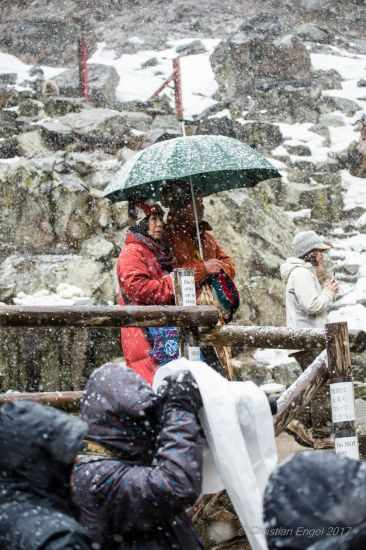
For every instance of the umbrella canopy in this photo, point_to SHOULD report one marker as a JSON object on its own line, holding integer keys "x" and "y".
{"x": 213, "y": 163}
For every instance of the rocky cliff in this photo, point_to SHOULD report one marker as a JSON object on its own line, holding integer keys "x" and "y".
{"x": 283, "y": 79}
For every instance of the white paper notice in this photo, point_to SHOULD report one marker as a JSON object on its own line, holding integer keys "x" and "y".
{"x": 188, "y": 288}
{"x": 347, "y": 446}
{"x": 342, "y": 401}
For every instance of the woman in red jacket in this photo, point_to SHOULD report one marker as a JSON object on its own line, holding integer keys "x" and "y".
{"x": 143, "y": 271}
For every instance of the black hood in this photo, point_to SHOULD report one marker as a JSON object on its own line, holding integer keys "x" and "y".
{"x": 38, "y": 444}
{"x": 122, "y": 412}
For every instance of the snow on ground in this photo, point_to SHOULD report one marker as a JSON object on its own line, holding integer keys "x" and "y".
{"x": 349, "y": 65}
{"x": 65, "y": 295}
{"x": 352, "y": 68}
{"x": 300, "y": 134}
{"x": 354, "y": 191}
{"x": 138, "y": 83}
{"x": 355, "y": 315}
{"x": 11, "y": 64}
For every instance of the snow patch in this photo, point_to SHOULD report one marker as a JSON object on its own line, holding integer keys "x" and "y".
{"x": 136, "y": 83}
{"x": 65, "y": 295}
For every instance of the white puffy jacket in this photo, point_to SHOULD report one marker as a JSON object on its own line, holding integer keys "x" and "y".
{"x": 307, "y": 303}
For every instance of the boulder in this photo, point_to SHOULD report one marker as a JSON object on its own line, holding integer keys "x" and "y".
{"x": 59, "y": 106}
{"x": 94, "y": 126}
{"x": 137, "y": 120}
{"x": 8, "y": 129}
{"x": 362, "y": 83}
{"x": 30, "y": 108}
{"x": 314, "y": 33}
{"x": 56, "y": 134}
{"x": 155, "y": 106}
{"x": 45, "y": 39}
{"x": 8, "y": 78}
{"x": 299, "y": 150}
{"x": 328, "y": 80}
{"x": 97, "y": 247}
{"x": 257, "y": 52}
{"x": 325, "y": 201}
{"x": 347, "y": 106}
{"x": 102, "y": 83}
{"x": 58, "y": 208}
{"x": 263, "y": 134}
{"x": 222, "y": 126}
{"x": 258, "y": 236}
{"x": 27, "y": 274}
{"x": 8, "y": 148}
{"x": 335, "y": 120}
{"x": 191, "y": 48}
{"x": 166, "y": 122}
{"x": 8, "y": 96}
{"x": 30, "y": 144}
{"x": 151, "y": 62}
{"x": 289, "y": 103}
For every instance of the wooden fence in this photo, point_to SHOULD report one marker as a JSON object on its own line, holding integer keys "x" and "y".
{"x": 334, "y": 362}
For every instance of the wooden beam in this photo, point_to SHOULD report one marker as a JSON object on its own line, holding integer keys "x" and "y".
{"x": 266, "y": 337}
{"x": 301, "y": 392}
{"x": 277, "y": 337}
{"x": 66, "y": 400}
{"x": 107, "y": 316}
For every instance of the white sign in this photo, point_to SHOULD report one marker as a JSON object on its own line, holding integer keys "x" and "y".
{"x": 342, "y": 402}
{"x": 347, "y": 446}
{"x": 194, "y": 353}
{"x": 188, "y": 289}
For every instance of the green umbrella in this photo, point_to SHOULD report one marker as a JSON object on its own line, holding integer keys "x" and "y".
{"x": 211, "y": 163}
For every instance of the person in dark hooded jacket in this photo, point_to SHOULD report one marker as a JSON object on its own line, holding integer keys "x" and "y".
{"x": 38, "y": 446}
{"x": 316, "y": 501}
{"x": 143, "y": 463}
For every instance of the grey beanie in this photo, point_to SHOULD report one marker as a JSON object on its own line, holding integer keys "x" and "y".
{"x": 306, "y": 241}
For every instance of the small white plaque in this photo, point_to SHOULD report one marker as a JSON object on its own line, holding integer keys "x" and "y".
{"x": 347, "y": 446}
{"x": 188, "y": 288}
{"x": 342, "y": 401}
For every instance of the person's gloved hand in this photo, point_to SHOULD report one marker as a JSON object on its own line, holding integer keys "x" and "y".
{"x": 181, "y": 391}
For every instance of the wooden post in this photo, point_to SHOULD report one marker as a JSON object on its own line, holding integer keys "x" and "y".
{"x": 341, "y": 390}
{"x": 301, "y": 392}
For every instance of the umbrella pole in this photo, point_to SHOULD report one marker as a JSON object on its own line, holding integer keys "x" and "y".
{"x": 200, "y": 248}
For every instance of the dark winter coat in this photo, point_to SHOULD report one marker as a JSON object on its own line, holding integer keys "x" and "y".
{"x": 137, "y": 500}
{"x": 38, "y": 446}
{"x": 143, "y": 281}
{"x": 317, "y": 501}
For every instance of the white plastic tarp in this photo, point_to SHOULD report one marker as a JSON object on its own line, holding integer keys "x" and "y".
{"x": 238, "y": 426}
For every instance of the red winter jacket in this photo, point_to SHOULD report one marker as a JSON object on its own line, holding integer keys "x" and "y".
{"x": 142, "y": 282}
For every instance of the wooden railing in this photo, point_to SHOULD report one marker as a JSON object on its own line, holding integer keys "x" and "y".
{"x": 334, "y": 362}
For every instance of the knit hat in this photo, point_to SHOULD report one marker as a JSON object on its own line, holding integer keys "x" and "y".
{"x": 306, "y": 241}
{"x": 139, "y": 210}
